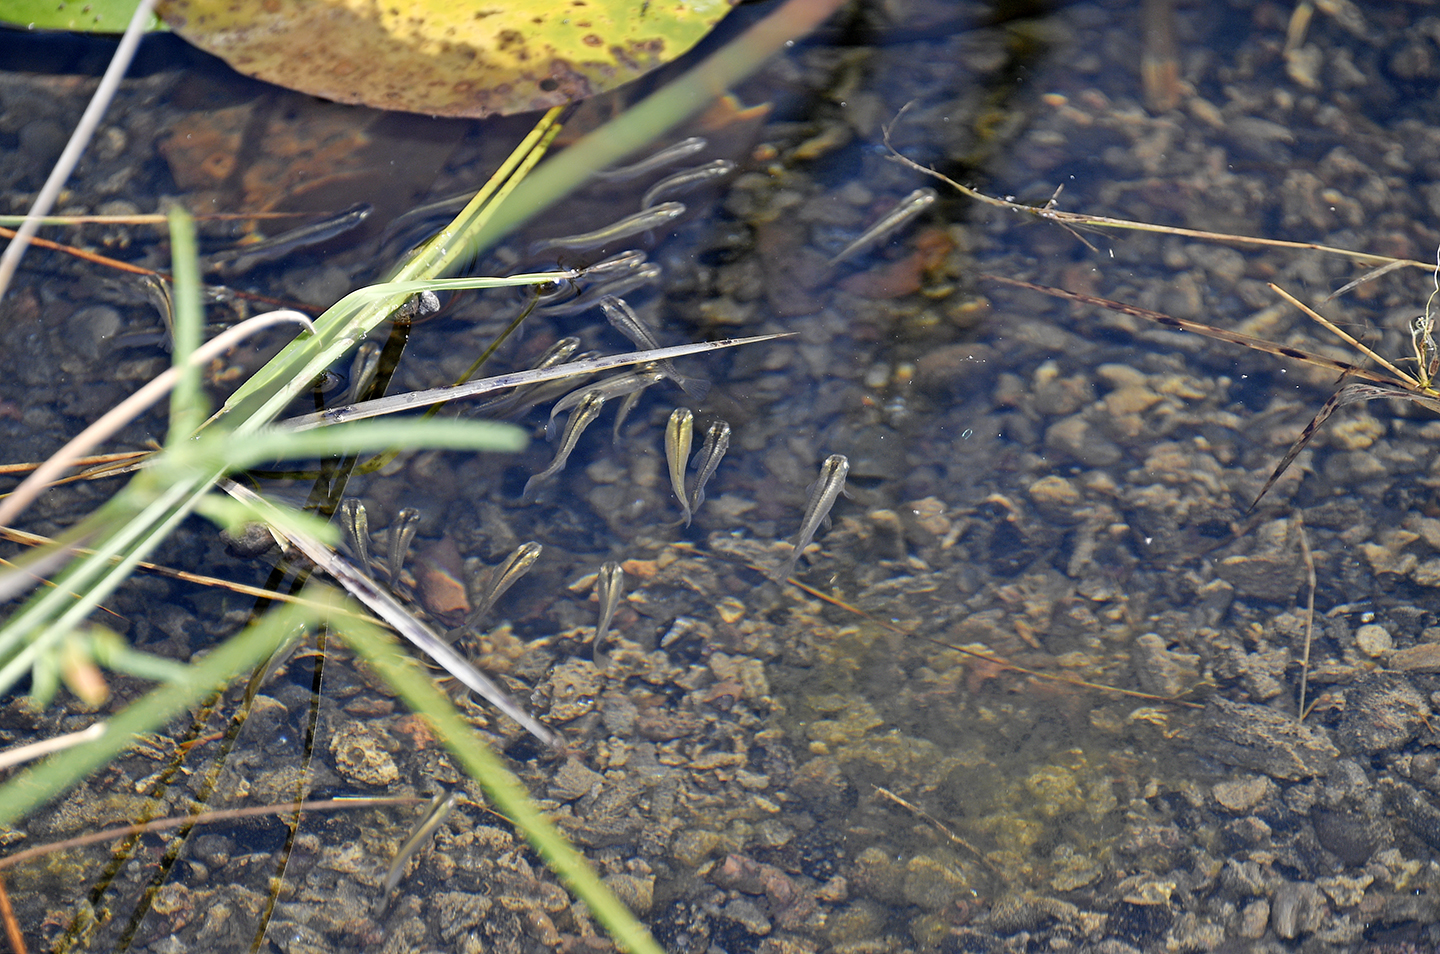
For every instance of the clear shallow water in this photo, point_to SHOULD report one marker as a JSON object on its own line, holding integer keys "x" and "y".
{"x": 1040, "y": 481}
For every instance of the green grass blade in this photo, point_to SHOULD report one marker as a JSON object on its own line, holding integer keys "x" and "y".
{"x": 403, "y": 675}
{"x": 244, "y": 651}
{"x": 187, "y": 400}
{"x": 370, "y": 436}
{"x": 52, "y": 614}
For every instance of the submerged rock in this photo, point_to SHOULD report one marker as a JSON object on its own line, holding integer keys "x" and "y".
{"x": 1382, "y": 712}
{"x": 1272, "y": 572}
{"x": 1162, "y": 671}
{"x": 1263, "y": 740}
{"x": 1351, "y": 835}
{"x": 1298, "y": 908}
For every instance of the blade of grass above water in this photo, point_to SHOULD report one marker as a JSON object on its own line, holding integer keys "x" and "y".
{"x": 137, "y": 519}
{"x": 510, "y": 797}
{"x": 149, "y": 511}
{"x": 266, "y": 394}
{"x": 25, "y": 792}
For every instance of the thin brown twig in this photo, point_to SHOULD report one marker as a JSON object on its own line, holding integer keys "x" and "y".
{"x": 178, "y": 821}
{"x": 12, "y": 926}
{"x": 244, "y": 589}
{"x": 1061, "y": 217}
{"x": 991, "y": 658}
{"x": 131, "y": 407}
{"x": 1208, "y": 331}
{"x": 160, "y": 218}
{"x": 17, "y": 754}
{"x": 95, "y": 258}
{"x": 956, "y": 839}
{"x": 91, "y": 461}
{"x": 1384, "y": 384}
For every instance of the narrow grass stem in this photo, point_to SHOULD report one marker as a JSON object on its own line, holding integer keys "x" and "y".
{"x": 79, "y": 139}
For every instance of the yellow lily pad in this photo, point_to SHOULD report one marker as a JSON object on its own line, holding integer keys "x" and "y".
{"x": 446, "y": 57}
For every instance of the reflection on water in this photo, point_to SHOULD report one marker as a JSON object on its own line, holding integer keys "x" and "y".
{"x": 918, "y": 750}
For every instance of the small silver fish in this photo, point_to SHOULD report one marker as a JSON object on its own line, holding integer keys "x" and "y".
{"x": 672, "y": 153}
{"x": 609, "y": 587}
{"x": 422, "y": 216}
{"x": 402, "y": 532}
{"x": 643, "y": 221}
{"x": 355, "y": 524}
{"x": 554, "y": 293}
{"x": 584, "y": 414}
{"x": 623, "y": 284}
{"x": 546, "y": 391}
{"x": 826, "y": 491}
{"x": 242, "y": 258}
{"x": 623, "y": 411}
{"x": 504, "y": 576}
{"x": 440, "y": 808}
{"x": 717, "y": 442}
{"x": 905, "y": 210}
{"x": 687, "y": 180}
{"x": 362, "y": 370}
{"x": 628, "y": 323}
{"x": 619, "y": 263}
{"x": 679, "y": 432}
{"x": 618, "y": 385}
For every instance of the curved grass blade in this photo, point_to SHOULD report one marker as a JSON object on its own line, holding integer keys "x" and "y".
{"x": 1349, "y": 394}
{"x": 29, "y": 789}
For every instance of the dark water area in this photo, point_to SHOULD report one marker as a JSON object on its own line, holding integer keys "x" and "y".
{"x": 1038, "y": 690}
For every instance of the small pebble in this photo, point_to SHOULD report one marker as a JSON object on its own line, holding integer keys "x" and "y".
{"x": 1374, "y": 641}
